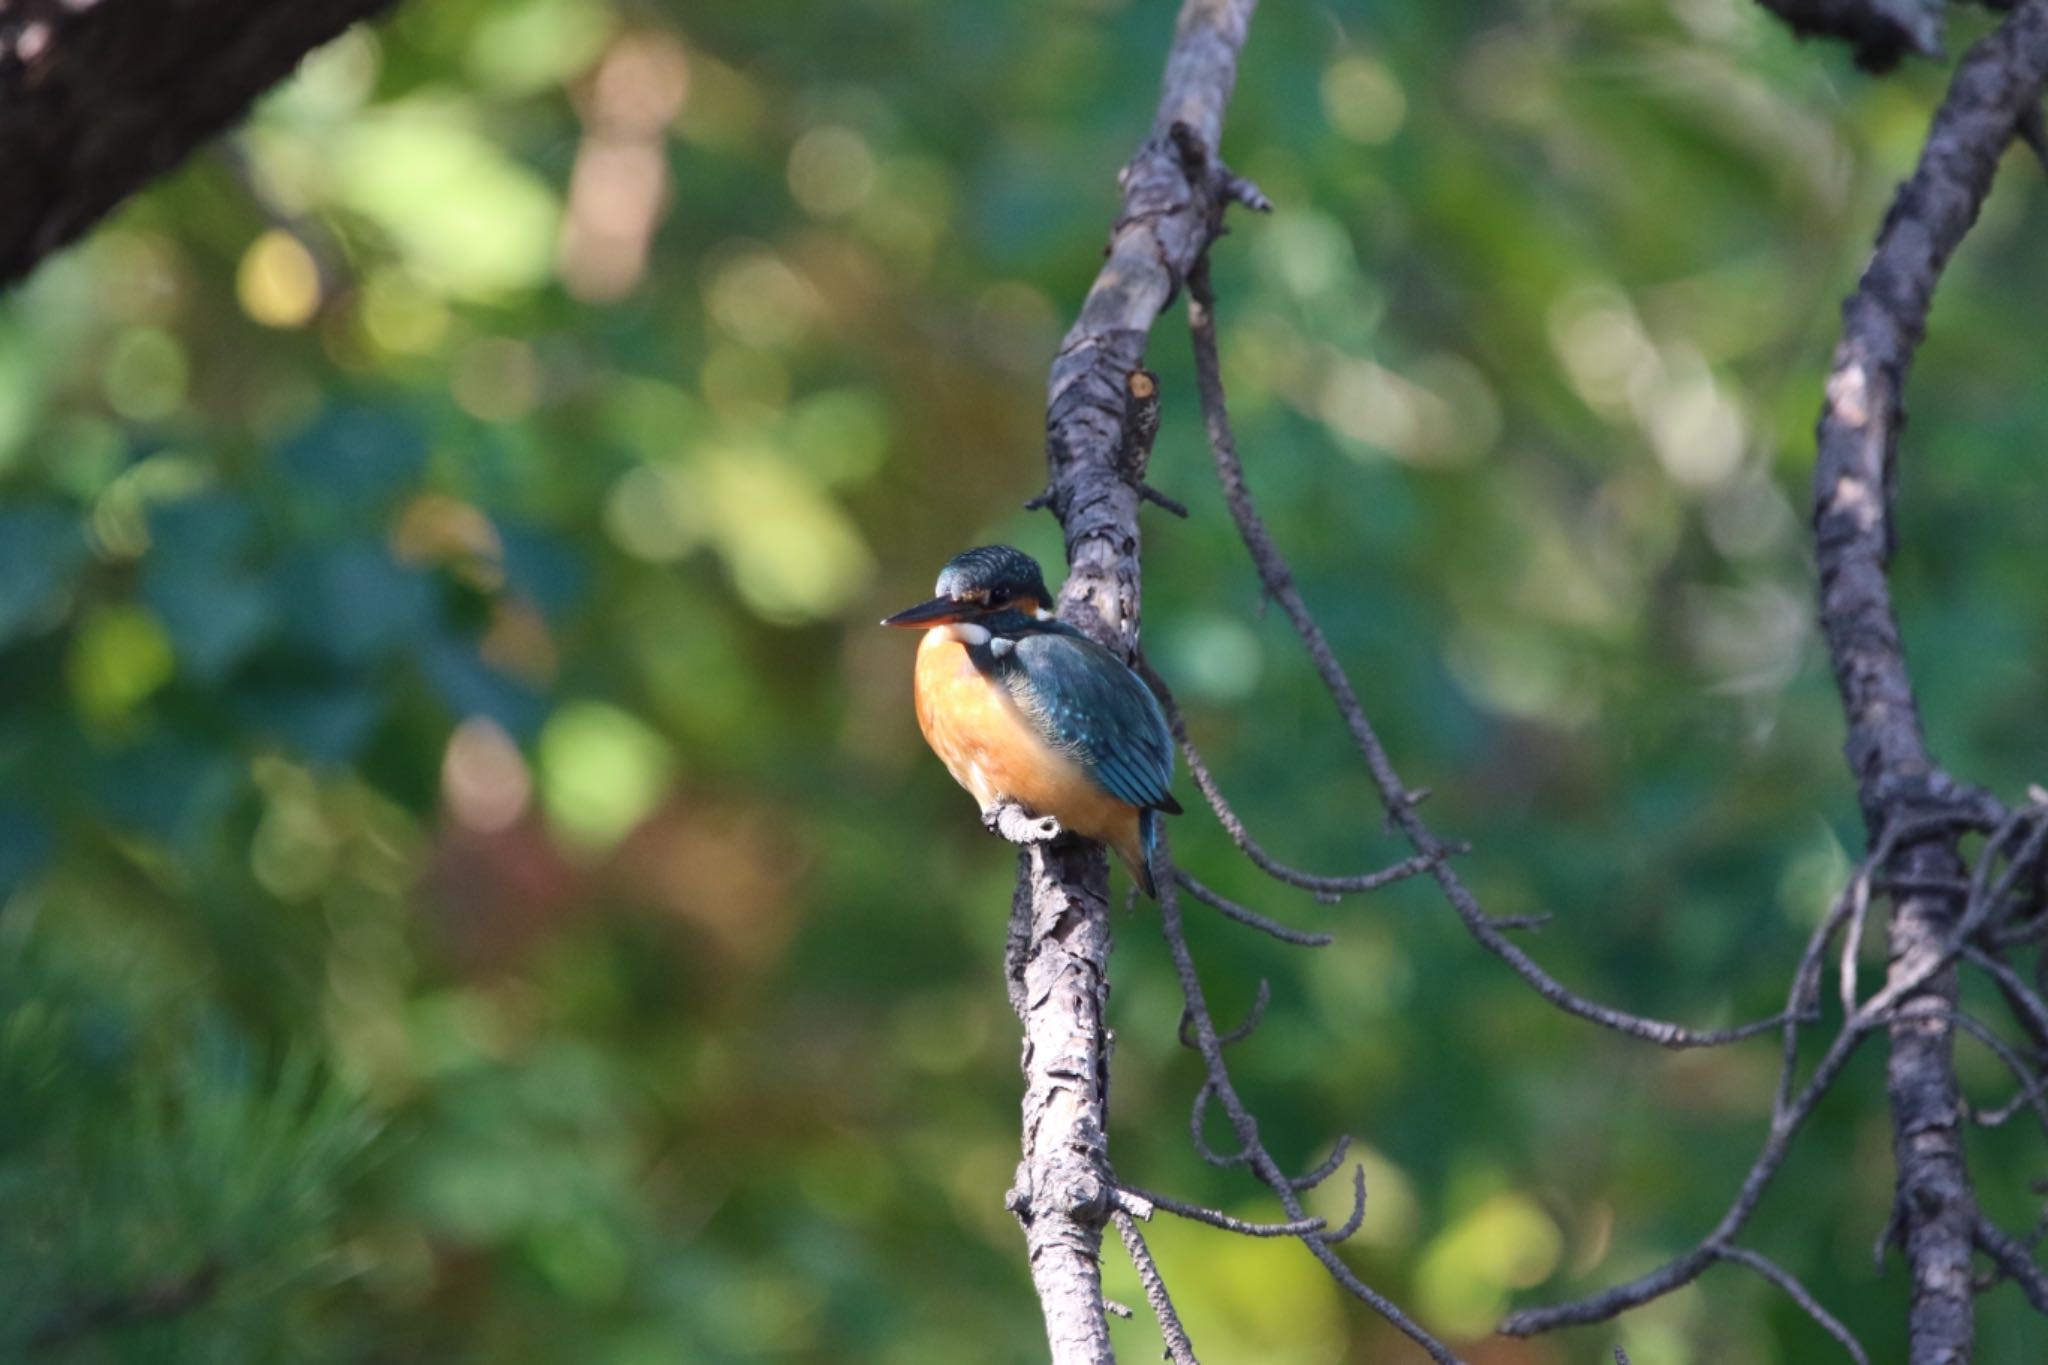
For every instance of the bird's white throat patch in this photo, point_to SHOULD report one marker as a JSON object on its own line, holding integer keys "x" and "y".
{"x": 966, "y": 632}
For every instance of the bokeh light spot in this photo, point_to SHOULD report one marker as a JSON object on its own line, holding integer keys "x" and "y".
{"x": 793, "y": 553}
{"x": 757, "y": 298}
{"x": 119, "y": 658}
{"x": 278, "y": 282}
{"x": 497, "y": 380}
{"x": 484, "y": 780}
{"x": 1362, "y": 100}
{"x": 145, "y": 374}
{"x": 831, "y": 171}
{"x": 1506, "y": 1243}
{"x": 399, "y": 316}
{"x": 601, "y": 772}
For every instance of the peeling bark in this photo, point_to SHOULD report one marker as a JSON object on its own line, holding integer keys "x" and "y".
{"x": 1096, "y": 447}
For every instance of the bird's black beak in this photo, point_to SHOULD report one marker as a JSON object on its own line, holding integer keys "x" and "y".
{"x": 936, "y": 612}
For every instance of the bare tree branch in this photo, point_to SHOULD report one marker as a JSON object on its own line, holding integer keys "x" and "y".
{"x": 1215, "y": 1218}
{"x": 1252, "y": 1151}
{"x": 1102, "y": 412}
{"x": 1881, "y": 31}
{"x": 1882, "y": 324}
{"x": 98, "y": 97}
{"x": 1915, "y": 813}
{"x": 1179, "y": 1349}
{"x": 1245, "y": 915}
{"x": 2014, "y": 1261}
{"x": 1325, "y": 888}
{"x": 1396, "y": 797}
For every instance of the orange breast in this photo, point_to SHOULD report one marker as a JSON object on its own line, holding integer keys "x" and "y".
{"x": 993, "y": 750}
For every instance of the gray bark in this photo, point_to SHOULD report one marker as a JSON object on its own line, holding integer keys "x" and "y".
{"x": 1060, "y": 931}
{"x": 1882, "y": 323}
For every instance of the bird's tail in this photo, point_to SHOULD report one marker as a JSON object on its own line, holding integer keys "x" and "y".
{"x": 1139, "y": 847}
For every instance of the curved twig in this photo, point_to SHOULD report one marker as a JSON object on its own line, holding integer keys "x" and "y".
{"x": 1396, "y": 797}
{"x": 1218, "y": 1087}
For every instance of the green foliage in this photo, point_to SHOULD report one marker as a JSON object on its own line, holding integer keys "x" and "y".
{"x": 440, "y": 535}
{"x": 169, "y": 1197}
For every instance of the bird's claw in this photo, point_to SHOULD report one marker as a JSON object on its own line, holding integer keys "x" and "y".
{"x": 1019, "y": 826}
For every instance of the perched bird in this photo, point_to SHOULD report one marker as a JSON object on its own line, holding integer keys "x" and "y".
{"x": 1024, "y": 708}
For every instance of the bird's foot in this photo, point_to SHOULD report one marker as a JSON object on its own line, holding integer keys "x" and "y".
{"x": 1020, "y": 826}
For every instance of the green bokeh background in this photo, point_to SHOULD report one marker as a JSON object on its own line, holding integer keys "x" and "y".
{"x": 471, "y": 888}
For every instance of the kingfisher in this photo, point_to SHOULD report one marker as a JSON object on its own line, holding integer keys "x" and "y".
{"x": 1022, "y": 707}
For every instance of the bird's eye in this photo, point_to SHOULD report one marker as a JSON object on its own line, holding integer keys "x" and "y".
{"x": 998, "y": 600}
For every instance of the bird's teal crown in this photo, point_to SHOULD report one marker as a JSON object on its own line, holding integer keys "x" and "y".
{"x": 993, "y": 574}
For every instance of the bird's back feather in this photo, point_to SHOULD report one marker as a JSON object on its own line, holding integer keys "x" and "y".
{"x": 1087, "y": 703}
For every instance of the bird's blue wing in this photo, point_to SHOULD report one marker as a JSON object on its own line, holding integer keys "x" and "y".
{"x": 1086, "y": 702}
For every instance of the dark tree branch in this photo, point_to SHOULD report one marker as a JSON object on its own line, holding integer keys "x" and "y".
{"x": 1882, "y": 324}
{"x": 1881, "y": 31}
{"x": 1396, "y": 797}
{"x": 1245, "y": 915}
{"x": 99, "y": 97}
{"x": 1141, "y": 1202}
{"x": 1914, "y": 812}
{"x": 1252, "y": 1153}
{"x": 1101, "y": 415}
{"x": 2014, "y": 1262}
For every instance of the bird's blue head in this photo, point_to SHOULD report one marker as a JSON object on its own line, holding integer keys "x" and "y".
{"x": 986, "y": 584}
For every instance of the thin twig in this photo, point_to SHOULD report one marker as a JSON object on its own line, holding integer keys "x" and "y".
{"x": 1252, "y": 1019}
{"x": 1179, "y": 1349}
{"x": 1395, "y": 796}
{"x": 1686, "y": 1267}
{"x": 1799, "y": 1294}
{"x": 1357, "y": 1218}
{"x": 2025, "y": 1003}
{"x": 1216, "y": 1218}
{"x": 1324, "y": 887}
{"x": 2013, "y": 1260}
{"x": 1326, "y": 1168}
{"x": 1217, "y": 1087}
{"x": 1244, "y": 914}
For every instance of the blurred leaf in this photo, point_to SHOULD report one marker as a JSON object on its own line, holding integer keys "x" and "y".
{"x": 601, "y": 772}
{"x": 352, "y": 603}
{"x": 353, "y": 459}
{"x": 214, "y": 620}
{"x": 545, "y": 567}
{"x": 328, "y": 720}
{"x": 40, "y": 548}
{"x": 169, "y": 788}
{"x": 472, "y": 687}
{"x": 119, "y": 657}
{"x": 209, "y": 530}
{"x": 468, "y": 219}
{"x": 26, "y": 841}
